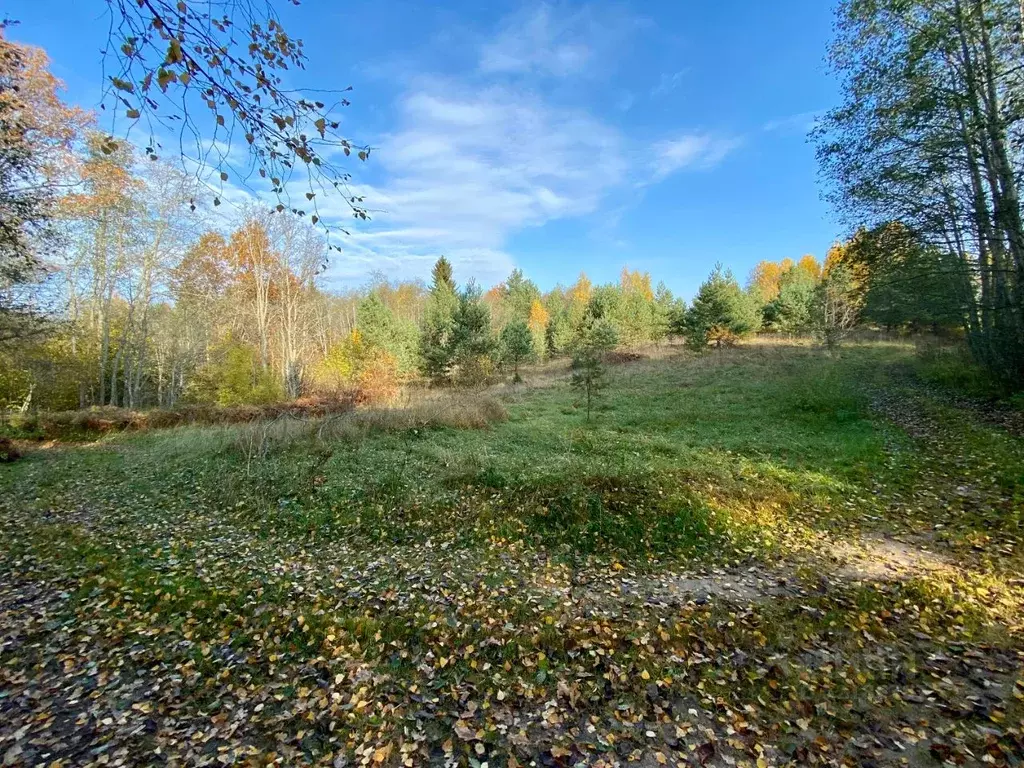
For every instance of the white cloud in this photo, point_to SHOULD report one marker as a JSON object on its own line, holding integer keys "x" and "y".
{"x": 691, "y": 151}
{"x": 468, "y": 168}
{"x": 668, "y": 82}
{"x": 473, "y": 161}
{"x": 801, "y": 122}
{"x": 539, "y": 40}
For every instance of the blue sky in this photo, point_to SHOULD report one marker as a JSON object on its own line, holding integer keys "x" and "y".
{"x": 556, "y": 137}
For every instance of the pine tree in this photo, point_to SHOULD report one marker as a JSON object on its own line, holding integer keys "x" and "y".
{"x": 721, "y": 312}
{"x": 790, "y": 310}
{"x": 380, "y": 330}
{"x": 472, "y": 342}
{"x": 517, "y": 346}
{"x": 669, "y": 313}
{"x": 437, "y": 351}
{"x": 595, "y": 339}
{"x": 518, "y": 294}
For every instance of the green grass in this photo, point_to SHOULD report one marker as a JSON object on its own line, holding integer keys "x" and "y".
{"x": 674, "y": 441}
{"x": 390, "y": 582}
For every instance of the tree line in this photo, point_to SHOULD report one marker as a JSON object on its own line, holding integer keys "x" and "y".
{"x": 120, "y": 286}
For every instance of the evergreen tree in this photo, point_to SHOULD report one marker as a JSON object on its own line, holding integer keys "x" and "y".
{"x": 669, "y": 313}
{"x": 604, "y": 304}
{"x": 472, "y": 342}
{"x": 380, "y": 330}
{"x": 721, "y": 312}
{"x": 558, "y": 334}
{"x": 594, "y": 341}
{"x": 518, "y": 294}
{"x": 437, "y": 350}
{"x": 578, "y": 300}
{"x": 442, "y": 275}
{"x": 517, "y": 346}
{"x": 790, "y": 310}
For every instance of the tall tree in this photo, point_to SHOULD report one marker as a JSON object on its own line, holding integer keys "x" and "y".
{"x": 472, "y": 342}
{"x": 256, "y": 271}
{"x": 929, "y": 134}
{"x": 518, "y": 295}
{"x": 380, "y": 329}
{"x": 790, "y": 310}
{"x": 37, "y": 134}
{"x": 437, "y": 349}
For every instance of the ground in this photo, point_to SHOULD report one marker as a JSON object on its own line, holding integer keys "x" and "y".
{"x": 761, "y": 556}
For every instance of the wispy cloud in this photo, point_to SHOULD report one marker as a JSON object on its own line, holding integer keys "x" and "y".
{"x": 476, "y": 159}
{"x": 541, "y": 40}
{"x": 466, "y": 169}
{"x": 802, "y": 122}
{"x": 691, "y": 151}
{"x": 668, "y": 82}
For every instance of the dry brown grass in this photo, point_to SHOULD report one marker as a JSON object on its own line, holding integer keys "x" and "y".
{"x": 451, "y": 409}
{"x": 94, "y": 422}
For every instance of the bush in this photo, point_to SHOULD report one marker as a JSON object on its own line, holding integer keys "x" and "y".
{"x": 721, "y": 336}
{"x": 475, "y": 371}
{"x": 234, "y": 376}
{"x": 8, "y": 452}
{"x": 336, "y": 372}
{"x": 953, "y": 367}
{"x": 379, "y": 379}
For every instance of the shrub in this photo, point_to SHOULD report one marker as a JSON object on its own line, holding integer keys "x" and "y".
{"x": 234, "y": 376}
{"x": 379, "y": 378}
{"x": 475, "y": 371}
{"x": 722, "y": 336}
{"x": 8, "y": 452}
{"x": 336, "y": 372}
{"x": 952, "y": 366}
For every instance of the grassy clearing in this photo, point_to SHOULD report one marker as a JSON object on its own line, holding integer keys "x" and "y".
{"x": 469, "y": 581}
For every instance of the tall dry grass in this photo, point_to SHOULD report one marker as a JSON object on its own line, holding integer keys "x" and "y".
{"x": 94, "y": 422}
{"x": 453, "y": 410}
